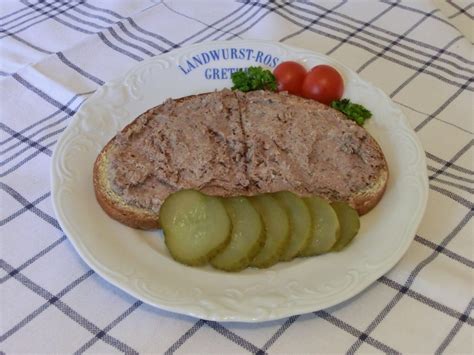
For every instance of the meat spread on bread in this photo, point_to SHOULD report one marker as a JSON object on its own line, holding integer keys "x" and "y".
{"x": 230, "y": 143}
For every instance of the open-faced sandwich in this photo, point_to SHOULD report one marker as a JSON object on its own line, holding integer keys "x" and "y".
{"x": 230, "y": 143}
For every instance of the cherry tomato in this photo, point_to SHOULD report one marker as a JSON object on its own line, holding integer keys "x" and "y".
{"x": 290, "y": 76}
{"x": 323, "y": 83}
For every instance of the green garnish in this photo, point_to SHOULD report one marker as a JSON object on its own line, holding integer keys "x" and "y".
{"x": 254, "y": 78}
{"x": 355, "y": 112}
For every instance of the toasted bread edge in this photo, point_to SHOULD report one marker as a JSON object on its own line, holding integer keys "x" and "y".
{"x": 112, "y": 203}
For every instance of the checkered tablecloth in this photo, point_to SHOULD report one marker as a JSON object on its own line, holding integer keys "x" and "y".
{"x": 55, "y": 54}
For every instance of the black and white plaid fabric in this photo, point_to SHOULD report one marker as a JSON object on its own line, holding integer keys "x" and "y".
{"x": 54, "y": 54}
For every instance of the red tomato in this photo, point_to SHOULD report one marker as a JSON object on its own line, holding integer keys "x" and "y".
{"x": 290, "y": 76}
{"x": 323, "y": 83}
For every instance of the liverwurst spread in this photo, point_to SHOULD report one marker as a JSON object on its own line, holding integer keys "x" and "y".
{"x": 229, "y": 143}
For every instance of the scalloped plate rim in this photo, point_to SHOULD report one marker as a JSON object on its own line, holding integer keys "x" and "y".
{"x": 342, "y": 297}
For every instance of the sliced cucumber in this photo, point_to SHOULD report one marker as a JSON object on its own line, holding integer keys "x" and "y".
{"x": 300, "y": 223}
{"x": 350, "y": 224}
{"x": 196, "y": 226}
{"x": 246, "y": 239}
{"x": 325, "y": 228}
{"x": 277, "y": 230}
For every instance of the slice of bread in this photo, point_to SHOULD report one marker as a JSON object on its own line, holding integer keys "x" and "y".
{"x": 228, "y": 143}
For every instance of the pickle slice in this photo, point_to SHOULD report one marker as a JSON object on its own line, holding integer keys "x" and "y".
{"x": 276, "y": 227}
{"x": 246, "y": 238}
{"x": 300, "y": 223}
{"x": 196, "y": 226}
{"x": 325, "y": 228}
{"x": 350, "y": 224}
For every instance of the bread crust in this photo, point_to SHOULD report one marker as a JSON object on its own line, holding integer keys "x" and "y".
{"x": 365, "y": 201}
{"x": 112, "y": 204}
{"x": 141, "y": 218}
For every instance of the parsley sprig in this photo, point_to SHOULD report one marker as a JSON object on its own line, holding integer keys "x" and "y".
{"x": 355, "y": 112}
{"x": 254, "y": 78}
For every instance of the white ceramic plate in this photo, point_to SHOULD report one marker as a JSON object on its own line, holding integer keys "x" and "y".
{"x": 138, "y": 262}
